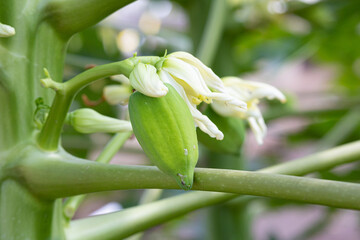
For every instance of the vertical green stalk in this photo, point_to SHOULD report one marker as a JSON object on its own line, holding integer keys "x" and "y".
{"x": 225, "y": 222}
{"x": 213, "y": 32}
{"x": 22, "y": 57}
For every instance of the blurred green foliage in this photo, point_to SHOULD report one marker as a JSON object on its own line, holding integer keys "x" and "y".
{"x": 275, "y": 32}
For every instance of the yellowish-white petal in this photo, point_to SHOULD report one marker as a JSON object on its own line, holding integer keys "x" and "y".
{"x": 249, "y": 90}
{"x": 121, "y": 78}
{"x": 187, "y": 76}
{"x": 145, "y": 80}
{"x": 201, "y": 121}
{"x": 259, "y": 135}
{"x": 6, "y": 30}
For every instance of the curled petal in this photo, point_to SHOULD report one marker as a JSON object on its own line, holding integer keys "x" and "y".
{"x": 249, "y": 90}
{"x": 255, "y": 127}
{"x": 201, "y": 121}
{"x": 210, "y": 78}
{"x": 194, "y": 85}
{"x": 228, "y": 110}
{"x": 6, "y": 30}
{"x": 187, "y": 76}
{"x": 121, "y": 78}
{"x": 145, "y": 80}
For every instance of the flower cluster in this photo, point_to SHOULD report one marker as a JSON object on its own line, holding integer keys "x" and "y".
{"x": 196, "y": 83}
{"x": 251, "y": 93}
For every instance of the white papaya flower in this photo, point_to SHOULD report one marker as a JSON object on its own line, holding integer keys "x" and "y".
{"x": 250, "y": 92}
{"x": 194, "y": 81}
{"x": 197, "y": 83}
{"x": 197, "y": 80}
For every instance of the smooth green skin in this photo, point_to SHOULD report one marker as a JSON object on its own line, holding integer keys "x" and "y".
{"x": 233, "y": 130}
{"x": 166, "y": 132}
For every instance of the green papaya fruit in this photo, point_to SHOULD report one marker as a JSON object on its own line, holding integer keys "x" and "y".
{"x": 165, "y": 130}
{"x": 233, "y": 130}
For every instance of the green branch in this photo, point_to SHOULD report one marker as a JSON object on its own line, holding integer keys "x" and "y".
{"x": 69, "y": 17}
{"x": 117, "y": 141}
{"x": 49, "y": 136}
{"x": 67, "y": 176}
{"x": 125, "y": 223}
{"x": 77, "y": 177}
{"x": 161, "y": 211}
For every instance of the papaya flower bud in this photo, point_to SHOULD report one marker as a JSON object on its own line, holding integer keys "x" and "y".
{"x": 6, "y": 30}
{"x": 86, "y": 120}
{"x": 145, "y": 80}
{"x": 250, "y": 92}
{"x": 117, "y": 94}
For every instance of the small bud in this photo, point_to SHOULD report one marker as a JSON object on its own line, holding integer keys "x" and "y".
{"x": 117, "y": 94}
{"x": 86, "y": 120}
{"x": 6, "y": 30}
{"x": 145, "y": 80}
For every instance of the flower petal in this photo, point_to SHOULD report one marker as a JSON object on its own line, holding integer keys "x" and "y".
{"x": 6, "y": 30}
{"x": 210, "y": 78}
{"x": 250, "y": 90}
{"x": 145, "y": 80}
{"x": 201, "y": 121}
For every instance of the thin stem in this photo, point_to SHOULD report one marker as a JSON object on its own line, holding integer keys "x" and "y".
{"x": 49, "y": 135}
{"x": 117, "y": 141}
{"x": 164, "y": 210}
{"x": 125, "y": 223}
{"x": 319, "y": 161}
{"x": 341, "y": 130}
{"x": 213, "y": 32}
{"x": 113, "y": 147}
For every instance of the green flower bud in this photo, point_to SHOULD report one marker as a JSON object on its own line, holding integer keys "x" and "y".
{"x": 117, "y": 94}
{"x": 233, "y": 130}
{"x": 86, "y": 120}
{"x": 165, "y": 130}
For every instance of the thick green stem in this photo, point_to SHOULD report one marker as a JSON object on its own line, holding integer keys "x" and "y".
{"x": 73, "y": 203}
{"x": 158, "y": 212}
{"x": 68, "y": 176}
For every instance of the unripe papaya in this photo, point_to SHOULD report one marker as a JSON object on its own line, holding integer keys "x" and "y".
{"x": 233, "y": 130}
{"x": 165, "y": 130}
